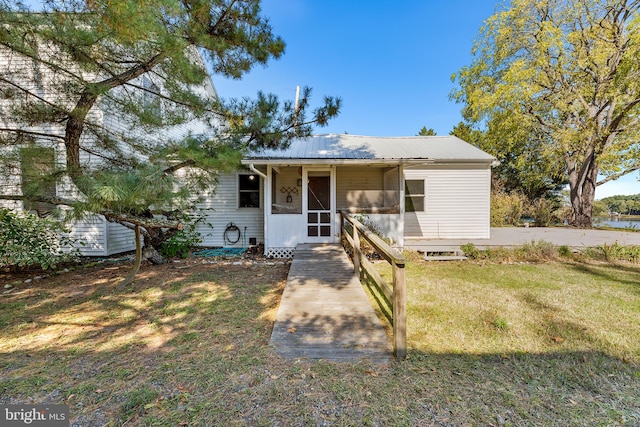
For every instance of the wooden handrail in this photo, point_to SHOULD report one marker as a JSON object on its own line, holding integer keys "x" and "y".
{"x": 396, "y": 293}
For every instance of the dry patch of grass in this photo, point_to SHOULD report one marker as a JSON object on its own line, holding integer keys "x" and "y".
{"x": 187, "y": 344}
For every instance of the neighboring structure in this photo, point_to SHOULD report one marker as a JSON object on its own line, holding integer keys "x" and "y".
{"x": 96, "y": 235}
{"x": 435, "y": 187}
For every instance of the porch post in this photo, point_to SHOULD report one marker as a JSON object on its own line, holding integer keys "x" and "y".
{"x": 267, "y": 208}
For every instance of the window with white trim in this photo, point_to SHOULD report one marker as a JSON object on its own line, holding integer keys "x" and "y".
{"x": 414, "y": 195}
{"x": 248, "y": 191}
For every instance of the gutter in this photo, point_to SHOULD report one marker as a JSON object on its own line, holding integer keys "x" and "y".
{"x": 253, "y": 169}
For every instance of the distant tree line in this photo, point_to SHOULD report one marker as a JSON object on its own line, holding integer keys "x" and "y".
{"x": 626, "y": 205}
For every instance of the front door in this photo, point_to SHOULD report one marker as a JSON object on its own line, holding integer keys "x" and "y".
{"x": 319, "y": 212}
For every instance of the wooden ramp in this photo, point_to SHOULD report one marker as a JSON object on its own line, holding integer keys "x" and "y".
{"x": 325, "y": 313}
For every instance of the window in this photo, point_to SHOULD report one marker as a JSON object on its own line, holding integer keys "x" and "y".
{"x": 414, "y": 194}
{"x": 248, "y": 191}
{"x": 286, "y": 190}
{"x": 37, "y": 167}
{"x": 150, "y": 99}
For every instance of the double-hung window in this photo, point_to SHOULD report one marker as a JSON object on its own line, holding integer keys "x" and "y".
{"x": 248, "y": 191}
{"x": 414, "y": 195}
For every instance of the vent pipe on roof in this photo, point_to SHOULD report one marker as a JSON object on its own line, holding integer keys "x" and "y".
{"x": 297, "y": 107}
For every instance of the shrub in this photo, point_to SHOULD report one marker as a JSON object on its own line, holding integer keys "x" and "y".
{"x": 30, "y": 241}
{"x": 181, "y": 244}
{"x": 537, "y": 251}
{"x": 470, "y": 251}
{"x": 564, "y": 251}
{"x": 543, "y": 212}
{"x": 617, "y": 252}
{"x": 506, "y": 208}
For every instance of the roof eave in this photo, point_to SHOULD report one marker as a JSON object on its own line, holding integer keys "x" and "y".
{"x": 417, "y": 162}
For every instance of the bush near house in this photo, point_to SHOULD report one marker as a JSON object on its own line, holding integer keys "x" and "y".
{"x": 507, "y": 208}
{"x": 29, "y": 241}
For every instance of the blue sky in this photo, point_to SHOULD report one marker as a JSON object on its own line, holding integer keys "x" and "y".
{"x": 390, "y": 62}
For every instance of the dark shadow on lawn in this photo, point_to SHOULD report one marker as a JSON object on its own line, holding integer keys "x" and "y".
{"x": 595, "y": 270}
{"x": 516, "y": 389}
{"x": 217, "y": 369}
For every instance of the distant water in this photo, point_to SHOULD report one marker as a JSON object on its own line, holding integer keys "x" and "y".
{"x": 623, "y": 223}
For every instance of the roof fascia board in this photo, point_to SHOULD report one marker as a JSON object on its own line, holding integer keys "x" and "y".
{"x": 407, "y": 162}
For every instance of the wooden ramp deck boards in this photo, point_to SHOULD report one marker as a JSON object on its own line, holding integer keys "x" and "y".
{"x": 325, "y": 313}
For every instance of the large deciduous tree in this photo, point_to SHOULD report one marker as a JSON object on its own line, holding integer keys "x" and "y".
{"x": 521, "y": 169}
{"x": 107, "y": 82}
{"x": 559, "y": 81}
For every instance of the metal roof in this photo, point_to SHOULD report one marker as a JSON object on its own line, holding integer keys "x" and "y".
{"x": 348, "y": 147}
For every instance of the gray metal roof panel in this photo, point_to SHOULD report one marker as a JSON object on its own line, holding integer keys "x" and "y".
{"x": 346, "y": 146}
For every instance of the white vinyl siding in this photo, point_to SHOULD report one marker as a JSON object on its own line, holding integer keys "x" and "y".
{"x": 456, "y": 202}
{"x": 96, "y": 236}
{"x": 91, "y": 236}
{"x": 119, "y": 239}
{"x": 221, "y": 208}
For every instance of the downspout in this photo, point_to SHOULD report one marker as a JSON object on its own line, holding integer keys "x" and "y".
{"x": 266, "y": 210}
{"x": 253, "y": 169}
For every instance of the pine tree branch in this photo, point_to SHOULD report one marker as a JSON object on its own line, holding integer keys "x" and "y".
{"x": 172, "y": 100}
{"x": 33, "y": 95}
{"x": 140, "y": 221}
{"x": 178, "y": 166}
{"x": 58, "y": 201}
{"x": 105, "y": 157}
{"x": 28, "y": 132}
{"x": 108, "y": 214}
{"x": 38, "y": 59}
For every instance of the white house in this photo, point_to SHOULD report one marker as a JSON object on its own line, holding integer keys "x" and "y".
{"x": 434, "y": 187}
{"x": 411, "y": 187}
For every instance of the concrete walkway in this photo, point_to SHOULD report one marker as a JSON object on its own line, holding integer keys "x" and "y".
{"x": 325, "y": 313}
{"x": 517, "y": 236}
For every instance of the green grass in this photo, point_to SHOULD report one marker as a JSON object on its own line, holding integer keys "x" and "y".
{"x": 552, "y": 306}
{"x": 502, "y": 344}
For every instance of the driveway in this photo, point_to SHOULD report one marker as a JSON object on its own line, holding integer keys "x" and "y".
{"x": 517, "y": 236}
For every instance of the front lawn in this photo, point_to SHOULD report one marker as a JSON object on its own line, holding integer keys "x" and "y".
{"x": 519, "y": 344}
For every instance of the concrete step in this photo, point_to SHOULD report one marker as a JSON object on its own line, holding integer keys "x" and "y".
{"x": 445, "y": 255}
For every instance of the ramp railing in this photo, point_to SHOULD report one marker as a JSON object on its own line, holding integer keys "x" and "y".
{"x": 394, "y": 292}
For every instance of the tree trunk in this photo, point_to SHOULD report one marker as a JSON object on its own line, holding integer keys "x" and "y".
{"x": 73, "y": 133}
{"x": 150, "y": 253}
{"x": 582, "y": 193}
{"x": 153, "y": 238}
